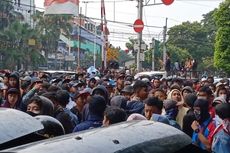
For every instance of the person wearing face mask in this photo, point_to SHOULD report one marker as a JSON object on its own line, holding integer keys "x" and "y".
{"x": 222, "y": 92}
{"x": 217, "y": 101}
{"x": 206, "y": 93}
{"x": 40, "y": 105}
{"x": 171, "y": 112}
{"x": 203, "y": 126}
{"x": 221, "y": 135}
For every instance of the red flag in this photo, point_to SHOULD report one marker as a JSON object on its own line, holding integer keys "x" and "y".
{"x": 61, "y": 7}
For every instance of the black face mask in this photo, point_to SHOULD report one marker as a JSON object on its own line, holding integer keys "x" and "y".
{"x": 31, "y": 113}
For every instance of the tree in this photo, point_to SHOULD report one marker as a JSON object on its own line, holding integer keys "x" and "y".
{"x": 18, "y": 52}
{"x": 191, "y": 37}
{"x": 8, "y": 14}
{"x": 222, "y": 44}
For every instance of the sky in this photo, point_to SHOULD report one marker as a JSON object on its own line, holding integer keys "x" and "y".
{"x": 153, "y": 16}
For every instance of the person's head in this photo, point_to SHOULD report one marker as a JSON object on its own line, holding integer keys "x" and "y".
{"x": 81, "y": 98}
{"x": 218, "y": 100}
{"x": 34, "y": 106}
{"x": 152, "y": 105}
{"x": 127, "y": 91}
{"x": 222, "y": 92}
{"x": 13, "y": 97}
{"x": 14, "y": 80}
{"x": 121, "y": 80}
{"x": 186, "y": 90}
{"x": 223, "y": 111}
{"x": 210, "y": 80}
{"x": 62, "y": 97}
{"x": 140, "y": 89}
{"x": 160, "y": 94}
{"x": 189, "y": 100}
{"x": 113, "y": 115}
{"x": 156, "y": 83}
{"x": 119, "y": 101}
{"x": 171, "y": 108}
{"x": 201, "y": 110}
{"x": 97, "y": 105}
{"x": 101, "y": 91}
{"x": 40, "y": 105}
{"x": 175, "y": 95}
{"x": 25, "y": 82}
{"x": 205, "y": 93}
{"x": 92, "y": 83}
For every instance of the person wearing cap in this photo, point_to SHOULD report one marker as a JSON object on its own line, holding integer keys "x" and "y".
{"x": 13, "y": 99}
{"x": 186, "y": 90}
{"x": 217, "y": 101}
{"x": 221, "y": 135}
{"x": 127, "y": 91}
{"x": 171, "y": 111}
{"x": 25, "y": 85}
{"x": 119, "y": 84}
{"x": 203, "y": 126}
{"x": 80, "y": 99}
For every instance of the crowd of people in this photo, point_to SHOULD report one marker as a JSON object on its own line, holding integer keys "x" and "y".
{"x": 83, "y": 101}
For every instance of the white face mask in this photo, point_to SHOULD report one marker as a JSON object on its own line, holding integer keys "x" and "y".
{"x": 224, "y": 96}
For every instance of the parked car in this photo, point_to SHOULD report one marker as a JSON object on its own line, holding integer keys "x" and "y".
{"x": 127, "y": 137}
{"x": 150, "y": 75}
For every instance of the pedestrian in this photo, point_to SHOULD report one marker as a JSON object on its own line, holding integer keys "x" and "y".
{"x": 221, "y": 135}
{"x": 113, "y": 115}
{"x": 203, "y": 126}
{"x": 97, "y": 106}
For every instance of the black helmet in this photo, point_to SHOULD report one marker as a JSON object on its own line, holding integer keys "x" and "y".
{"x": 52, "y": 127}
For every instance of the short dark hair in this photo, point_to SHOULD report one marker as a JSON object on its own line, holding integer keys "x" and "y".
{"x": 154, "y": 101}
{"x": 97, "y": 105}
{"x": 138, "y": 85}
{"x": 36, "y": 99}
{"x": 115, "y": 114}
{"x": 222, "y": 110}
{"x": 62, "y": 97}
{"x": 206, "y": 89}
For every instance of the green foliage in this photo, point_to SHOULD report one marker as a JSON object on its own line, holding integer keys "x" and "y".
{"x": 222, "y": 44}
{"x": 177, "y": 54}
{"x": 191, "y": 37}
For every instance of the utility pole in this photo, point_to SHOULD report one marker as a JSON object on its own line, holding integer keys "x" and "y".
{"x": 164, "y": 43}
{"x": 140, "y": 11}
{"x": 153, "y": 51}
{"x": 79, "y": 43}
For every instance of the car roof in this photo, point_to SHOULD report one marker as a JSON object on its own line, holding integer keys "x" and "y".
{"x": 16, "y": 124}
{"x": 132, "y": 136}
{"x": 150, "y": 73}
